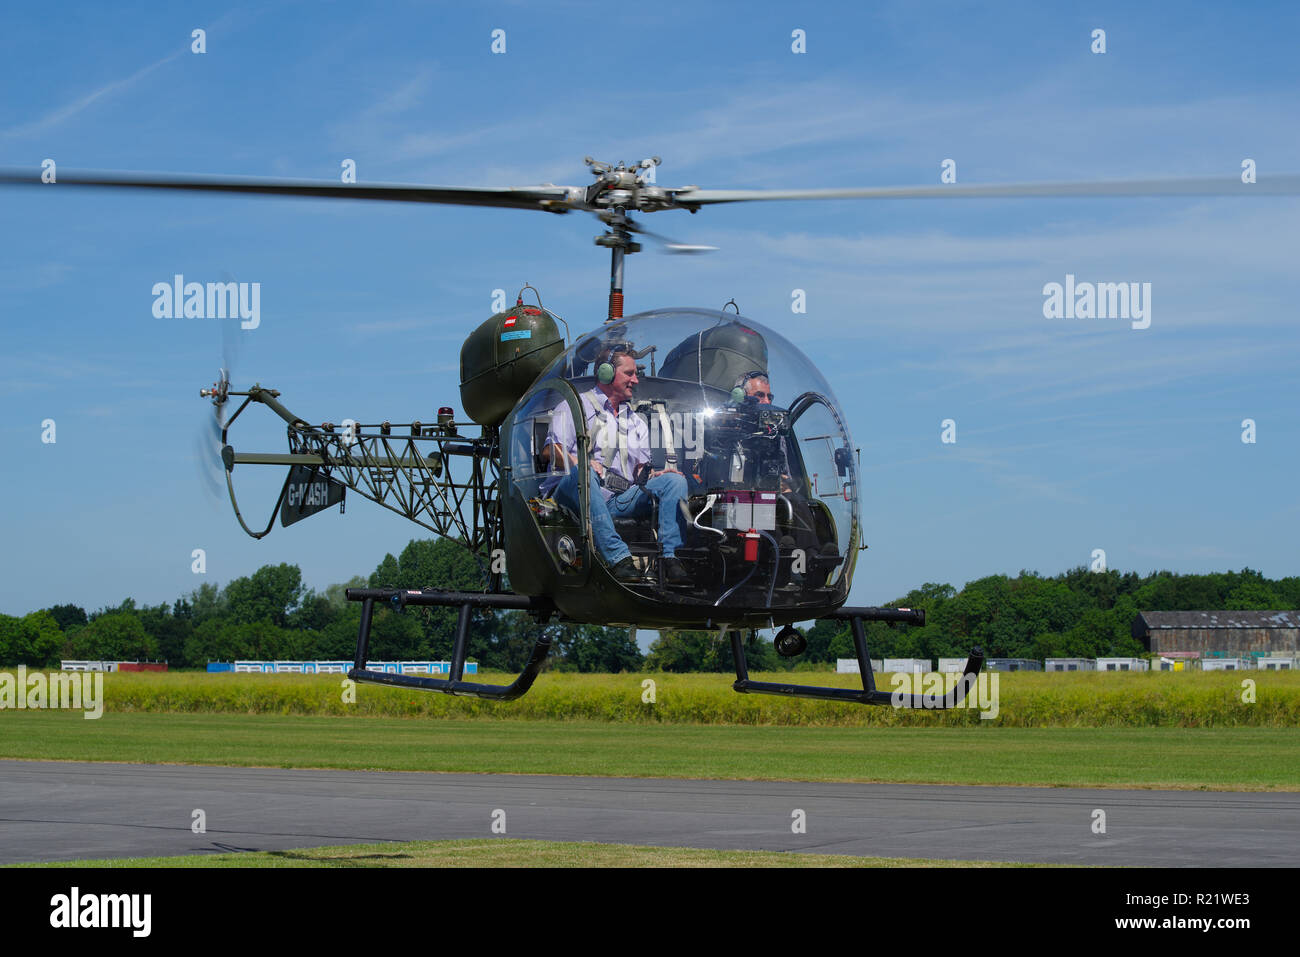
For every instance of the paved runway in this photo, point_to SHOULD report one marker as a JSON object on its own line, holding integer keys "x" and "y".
{"x": 54, "y": 811}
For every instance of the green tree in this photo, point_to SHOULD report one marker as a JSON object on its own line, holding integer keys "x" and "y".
{"x": 210, "y": 641}
{"x": 272, "y": 593}
{"x": 820, "y": 636}
{"x": 68, "y": 615}
{"x": 126, "y": 608}
{"x": 34, "y": 640}
{"x": 682, "y": 651}
{"x": 1165, "y": 591}
{"x": 338, "y": 639}
{"x": 218, "y": 640}
{"x": 314, "y": 612}
{"x": 1094, "y": 635}
{"x": 445, "y": 565}
{"x": 1101, "y": 588}
{"x": 336, "y": 595}
{"x": 1288, "y": 591}
{"x": 115, "y": 636}
{"x": 337, "y": 628}
{"x": 1255, "y": 596}
{"x": 168, "y": 632}
{"x": 205, "y": 603}
{"x": 591, "y": 648}
{"x": 394, "y": 636}
{"x": 505, "y": 640}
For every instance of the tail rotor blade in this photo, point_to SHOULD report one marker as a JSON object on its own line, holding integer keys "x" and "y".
{"x": 207, "y": 447}
{"x": 208, "y": 439}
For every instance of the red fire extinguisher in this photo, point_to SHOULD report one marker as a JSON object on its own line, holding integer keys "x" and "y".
{"x": 751, "y": 546}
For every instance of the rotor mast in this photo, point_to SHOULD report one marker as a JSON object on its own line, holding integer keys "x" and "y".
{"x": 617, "y": 188}
{"x": 619, "y": 240}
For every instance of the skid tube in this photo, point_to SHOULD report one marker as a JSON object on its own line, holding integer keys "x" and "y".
{"x": 466, "y": 602}
{"x": 868, "y": 694}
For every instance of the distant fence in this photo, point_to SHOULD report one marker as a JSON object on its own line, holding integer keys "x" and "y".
{"x": 338, "y": 667}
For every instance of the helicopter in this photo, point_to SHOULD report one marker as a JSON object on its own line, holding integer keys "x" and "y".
{"x": 768, "y": 520}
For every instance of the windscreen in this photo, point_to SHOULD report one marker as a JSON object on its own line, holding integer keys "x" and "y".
{"x": 711, "y": 440}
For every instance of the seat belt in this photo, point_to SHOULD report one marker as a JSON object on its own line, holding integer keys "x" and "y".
{"x": 615, "y": 452}
{"x": 666, "y": 433}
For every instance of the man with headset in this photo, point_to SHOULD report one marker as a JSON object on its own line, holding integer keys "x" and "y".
{"x": 620, "y": 450}
{"x": 755, "y": 387}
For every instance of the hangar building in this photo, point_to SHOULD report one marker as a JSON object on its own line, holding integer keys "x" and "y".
{"x": 1211, "y": 633}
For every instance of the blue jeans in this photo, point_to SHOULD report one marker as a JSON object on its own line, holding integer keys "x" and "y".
{"x": 669, "y": 489}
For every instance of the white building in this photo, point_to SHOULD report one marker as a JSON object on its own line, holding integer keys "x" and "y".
{"x": 1013, "y": 664}
{"x": 1123, "y": 664}
{"x": 849, "y": 666}
{"x": 87, "y": 665}
{"x": 915, "y": 666}
{"x": 1226, "y": 664}
{"x": 1071, "y": 664}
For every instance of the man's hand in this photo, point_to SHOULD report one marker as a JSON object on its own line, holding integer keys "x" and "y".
{"x": 664, "y": 472}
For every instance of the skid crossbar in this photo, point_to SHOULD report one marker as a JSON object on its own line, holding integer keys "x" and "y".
{"x": 465, "y": 602}
{"x": 869, "y": 694}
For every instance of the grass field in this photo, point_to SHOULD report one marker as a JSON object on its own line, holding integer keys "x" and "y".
{"x": 1025, "y": 700}
{"x": 505, "y": 852}
{"x": 1206, "y": 758}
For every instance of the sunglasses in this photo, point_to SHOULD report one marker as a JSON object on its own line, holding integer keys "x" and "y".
{"x": 760, "y": 394}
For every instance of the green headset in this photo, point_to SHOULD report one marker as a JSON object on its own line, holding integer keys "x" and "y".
{"x": 738, "y": 391}
{"x": 605, "y": 361}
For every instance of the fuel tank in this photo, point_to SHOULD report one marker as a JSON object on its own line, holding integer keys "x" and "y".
{"x": 503, "y": 357}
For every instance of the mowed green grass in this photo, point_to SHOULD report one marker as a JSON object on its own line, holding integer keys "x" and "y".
{"x": 1208, "y": 758}
{"x": 507, "y": 852}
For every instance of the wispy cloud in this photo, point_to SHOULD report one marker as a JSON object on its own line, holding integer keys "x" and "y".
{"x": 405, "y": 97}
{"x": 399, "y": 126}
{"x": 62, "y": 114}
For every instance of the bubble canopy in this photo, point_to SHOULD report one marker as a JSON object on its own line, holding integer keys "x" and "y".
{"x": 718, "y": 416}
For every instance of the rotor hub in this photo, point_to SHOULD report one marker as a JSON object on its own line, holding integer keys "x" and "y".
{"x": 630, "y": 187}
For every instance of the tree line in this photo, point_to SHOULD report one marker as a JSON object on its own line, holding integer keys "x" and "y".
{"x": 272, "y": 615}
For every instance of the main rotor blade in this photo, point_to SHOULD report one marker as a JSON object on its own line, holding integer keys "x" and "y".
{"x": 561, "y": 199}
{"x": 547, "y": 198}
{"x": 1285, "y": 184}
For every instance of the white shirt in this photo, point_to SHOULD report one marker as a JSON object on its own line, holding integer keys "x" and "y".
{"x": 619, "y": 441}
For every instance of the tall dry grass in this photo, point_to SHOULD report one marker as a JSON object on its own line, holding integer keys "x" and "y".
{"x": 1025, "y": 700}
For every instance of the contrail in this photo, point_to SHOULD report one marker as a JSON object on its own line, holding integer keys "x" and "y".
{"x": 72, "y": 109}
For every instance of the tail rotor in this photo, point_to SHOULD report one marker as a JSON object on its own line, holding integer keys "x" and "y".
{"x": 208, "y": 439}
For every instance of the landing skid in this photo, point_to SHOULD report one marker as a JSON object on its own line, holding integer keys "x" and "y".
{"x": 466, "y": 602}
{"x": 868, "y": 695}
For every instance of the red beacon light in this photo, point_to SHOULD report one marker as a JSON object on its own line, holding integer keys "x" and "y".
{"x": 445, "y": 420}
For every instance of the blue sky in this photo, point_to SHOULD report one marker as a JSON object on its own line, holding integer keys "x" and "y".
{"x": 1072, "y": 434}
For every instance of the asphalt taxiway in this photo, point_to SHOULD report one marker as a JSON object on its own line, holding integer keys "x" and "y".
{"x": 58, "y": 811}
